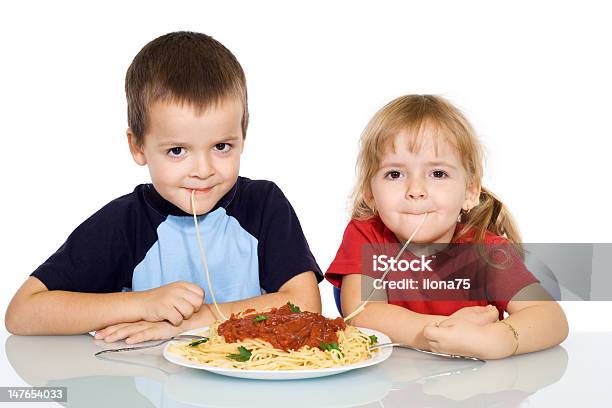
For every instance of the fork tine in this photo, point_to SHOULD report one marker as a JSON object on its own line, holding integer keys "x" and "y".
{"x": 133, "y": 348}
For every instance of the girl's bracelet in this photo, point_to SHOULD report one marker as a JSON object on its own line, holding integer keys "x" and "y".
{"x": 514, "y": 333}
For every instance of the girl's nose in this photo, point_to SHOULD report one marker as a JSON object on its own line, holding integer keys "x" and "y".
{"x": 416, "y": 191}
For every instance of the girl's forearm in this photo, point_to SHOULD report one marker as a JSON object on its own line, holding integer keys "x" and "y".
{"x": 538, "y": 327}
{"x": 400, "y": 324}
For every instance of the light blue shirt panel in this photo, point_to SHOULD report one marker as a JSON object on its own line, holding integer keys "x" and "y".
{"x": 231, "y": 253}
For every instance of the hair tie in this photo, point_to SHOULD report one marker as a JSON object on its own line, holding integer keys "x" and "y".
{"x": 497, "y": 206}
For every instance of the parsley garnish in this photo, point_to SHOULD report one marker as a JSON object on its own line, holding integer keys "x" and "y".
{"x": 329, "y": 346}
{"x": 293, "y": 308}
{"x": 261, "y": 318}
{"x": 373, "y": 339}
{"x": 242, "y": 356}
{"x": 197, "y": 342}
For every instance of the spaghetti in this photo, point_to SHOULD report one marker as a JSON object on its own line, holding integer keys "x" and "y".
{"x": 282, "y": 338}
{"x": 386, "y": 271}
{"x": 203, "y": 253}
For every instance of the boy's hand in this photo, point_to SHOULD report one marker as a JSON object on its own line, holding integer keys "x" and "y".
{"x": 173, "y": 302}
{"x": 137, "y": 332}
{"x": 479, "y": 315}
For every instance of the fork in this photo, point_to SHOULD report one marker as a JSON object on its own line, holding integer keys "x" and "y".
{"x": 191, "y": 337}
{"x": 434, "y": 353}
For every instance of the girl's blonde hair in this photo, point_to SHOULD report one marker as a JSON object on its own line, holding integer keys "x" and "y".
{"x": 416, "y": 114}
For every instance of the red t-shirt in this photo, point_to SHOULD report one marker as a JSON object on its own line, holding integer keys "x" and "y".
{"x": 489, "y": 284}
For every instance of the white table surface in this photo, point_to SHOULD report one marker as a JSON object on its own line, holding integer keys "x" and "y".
{"x": 577, "y": 373}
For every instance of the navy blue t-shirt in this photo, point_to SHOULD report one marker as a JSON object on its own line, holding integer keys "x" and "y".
{"x": 252, "y": 238}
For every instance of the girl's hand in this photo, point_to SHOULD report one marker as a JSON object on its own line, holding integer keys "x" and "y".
{"x": 479, "y": 315}
{"x": 458, "y": 336}
{"x": 138, "y": 332}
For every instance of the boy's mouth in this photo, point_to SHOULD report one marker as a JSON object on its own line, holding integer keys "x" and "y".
{"x": 199, "y": 190}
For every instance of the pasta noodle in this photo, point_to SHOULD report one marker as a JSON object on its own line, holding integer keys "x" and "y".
{"x": 352, "y": 346}
{"x": 384, "y": 275}
{"x": 345, "y": 344}
{"x": 203, "y": 253}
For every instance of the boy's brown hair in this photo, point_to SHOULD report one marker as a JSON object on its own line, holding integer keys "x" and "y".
{"x": 182, "y": 67}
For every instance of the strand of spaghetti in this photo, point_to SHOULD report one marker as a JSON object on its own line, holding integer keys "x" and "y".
{"x": 386, "y": 272}
{"x": 353, "y": 347}
{"x": 203, "y": 253}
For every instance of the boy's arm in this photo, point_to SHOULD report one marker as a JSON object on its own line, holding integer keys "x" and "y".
{"x": 301, "y": 290}
{"x": 34, "y": 310}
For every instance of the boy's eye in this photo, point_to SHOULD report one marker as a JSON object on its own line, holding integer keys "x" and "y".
{"x": 393, "y": 174}
{"x": 176, "y": 151}
{"x": 223, "y": 147}
{"x": 439, "y": 174}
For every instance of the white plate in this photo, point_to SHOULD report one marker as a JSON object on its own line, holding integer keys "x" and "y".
{"x": 282, "y": 374}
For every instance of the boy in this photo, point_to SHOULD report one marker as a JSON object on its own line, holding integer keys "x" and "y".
{"x": 134, "y": 268}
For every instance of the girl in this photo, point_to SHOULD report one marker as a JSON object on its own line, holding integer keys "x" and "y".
{"x": 419, "y": 180}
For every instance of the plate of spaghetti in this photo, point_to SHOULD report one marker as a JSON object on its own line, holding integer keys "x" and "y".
{"x": 279, "y": 344}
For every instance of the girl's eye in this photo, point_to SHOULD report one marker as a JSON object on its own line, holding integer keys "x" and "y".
{"x": 223, "y": 147}
{"x": 393, "y": 174}
{"x": 439, "y": 174}
{"x": 176, "y": 151}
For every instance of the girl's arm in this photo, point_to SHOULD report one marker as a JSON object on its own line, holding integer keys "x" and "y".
{"x": 400, "y": 324}
{"x": 540, "y": 324}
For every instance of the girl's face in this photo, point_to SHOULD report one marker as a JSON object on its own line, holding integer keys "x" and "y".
{"x": 409, "y": 184}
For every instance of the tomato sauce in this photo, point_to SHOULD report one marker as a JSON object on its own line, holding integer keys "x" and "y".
{"x": 282, "y": 327}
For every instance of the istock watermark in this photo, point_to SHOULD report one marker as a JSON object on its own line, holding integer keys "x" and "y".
{"x": 383, "y": 263}
{"x": 487, "y": 272}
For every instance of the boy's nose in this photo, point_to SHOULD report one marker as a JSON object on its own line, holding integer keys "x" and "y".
{"x": 202, "y": 168}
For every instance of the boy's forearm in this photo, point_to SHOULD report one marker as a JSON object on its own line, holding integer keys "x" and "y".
{"x": 301, "y": 290}
{"x": 277, "y": 299}
{"x": 62, "y": 312}
{"x": 400, "y": 324}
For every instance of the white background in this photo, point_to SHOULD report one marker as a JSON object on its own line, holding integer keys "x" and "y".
{"x": 534, "y": 78}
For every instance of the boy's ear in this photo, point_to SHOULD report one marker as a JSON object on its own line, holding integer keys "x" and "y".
{"x": 135, "y": 149}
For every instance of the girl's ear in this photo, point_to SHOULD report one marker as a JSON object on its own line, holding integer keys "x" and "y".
{"x": 135, "y": 149}
{"x": 472, "y": 197}
{"x": 369, "y": 199}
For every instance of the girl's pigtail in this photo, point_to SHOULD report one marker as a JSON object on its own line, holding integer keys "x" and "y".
{"x": 491, "y": 214}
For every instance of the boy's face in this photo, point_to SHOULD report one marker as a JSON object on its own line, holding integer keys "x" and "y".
{"x": 409, "y": 184}
{"x": 186, "y": 150}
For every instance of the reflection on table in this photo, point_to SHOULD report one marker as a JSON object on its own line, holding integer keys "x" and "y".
{"x": 145, "y": 378}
